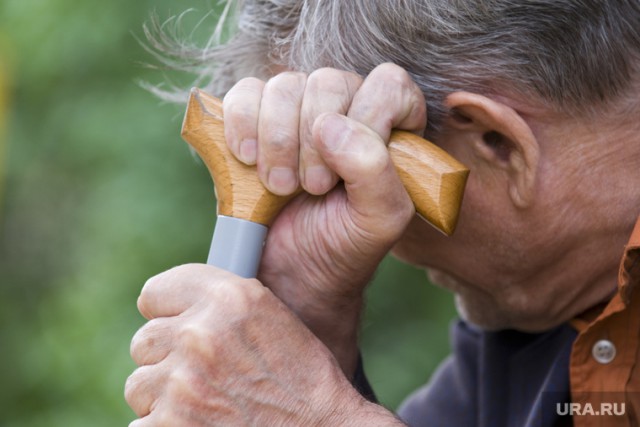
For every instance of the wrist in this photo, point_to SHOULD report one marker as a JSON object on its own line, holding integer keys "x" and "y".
{"x": 334, "y": 320}
{"x": 372, "y": 414}
{"x": 349, "y": 409}
{"x": 338, "y": 329}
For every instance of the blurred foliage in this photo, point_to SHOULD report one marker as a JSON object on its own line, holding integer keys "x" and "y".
{"x": 100, "y": 194}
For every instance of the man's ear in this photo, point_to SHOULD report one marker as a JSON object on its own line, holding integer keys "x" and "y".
{"x": 500, "y": 141}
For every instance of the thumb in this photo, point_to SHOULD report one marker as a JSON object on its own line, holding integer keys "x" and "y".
{"x": 377, "y": 201}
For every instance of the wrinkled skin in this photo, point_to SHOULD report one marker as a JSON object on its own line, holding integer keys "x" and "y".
{"x": 214, "y": 353}
{"x": 221, "y": 350}
{"x": 537, "y": 244}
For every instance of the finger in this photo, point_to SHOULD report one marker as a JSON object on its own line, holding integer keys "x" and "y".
{"x": 241, "y": 109}
{"x": 152, "y": 343}
{"x": 377, "y": 199}
{"x": 389, "y": 99}
{"x": 278, "y": 126}
{"x": 174, "y": 291}
{"x": 143, "y": 388}
{"x": 327, "y": 91}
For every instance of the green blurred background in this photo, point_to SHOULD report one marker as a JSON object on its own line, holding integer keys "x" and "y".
{"x": 98, "y": 193}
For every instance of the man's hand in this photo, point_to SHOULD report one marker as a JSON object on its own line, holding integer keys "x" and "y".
{"x": 222, "y": 350}
{"x": 313, "y": 130}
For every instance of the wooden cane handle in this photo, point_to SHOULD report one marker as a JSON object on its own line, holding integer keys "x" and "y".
{"x": 434, "y": 180}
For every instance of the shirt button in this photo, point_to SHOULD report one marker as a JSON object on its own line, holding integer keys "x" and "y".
{"x": 604, "y": 351}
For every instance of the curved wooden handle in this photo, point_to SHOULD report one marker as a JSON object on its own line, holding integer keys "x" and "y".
{"x": 434, "y": 180}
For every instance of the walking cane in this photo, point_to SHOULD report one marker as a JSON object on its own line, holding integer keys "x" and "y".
{"x": 434, "y": 180}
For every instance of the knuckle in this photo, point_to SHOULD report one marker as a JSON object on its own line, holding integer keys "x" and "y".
{"x": 147, "y": 294}
{"x": 327, "y": 80}
{"x": 396, "y": 80}
{"x": 333, "y": 82}
{"x": 243, "y": 297}
{"x": 254, "y": 291}
{"x": 198, "y": 338}
{"x": 136, "y": 349}
{"x": 248, "y": 86}
{"x": 242, "y": 100}
{"x": 240, "y": 114}
{"x": 143, "y": 341}
{"x": 152, "y": 288}
{"x": 149, "y": 285}
{"x": 287, "y": 86}
{"x": 199, "y": 335}
{"x": 193, "y": 334}
{"x": 285, "y": 79}
{"x": 336, "y": 86}
{"x": 280, "y": 140}
{"x": 374, "y": 162}
{"x": 371, "y": 155}
{"x": 153, "y": 282}
{"x": 405, "y": 100}
{"x": 185, "y": 274}
{"x": 133, "y": 388}
{"x": 180, "y": 270}
{"x": 180, "y": 384}
{"x": 249, "y": 83}
{"x": 392, "y": 72}
{"x": 418, "y": 113}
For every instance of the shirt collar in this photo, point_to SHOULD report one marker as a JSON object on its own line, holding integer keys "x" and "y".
{"x": 629, "y": 275}
{"x": 628, "y": 281}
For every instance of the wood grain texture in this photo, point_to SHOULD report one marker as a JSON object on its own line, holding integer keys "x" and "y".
{"x": 434, "y": 180}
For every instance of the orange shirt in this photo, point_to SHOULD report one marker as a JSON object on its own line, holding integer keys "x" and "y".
{"x": 605, "y": 368}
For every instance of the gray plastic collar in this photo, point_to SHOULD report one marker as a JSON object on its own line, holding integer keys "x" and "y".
{"x": 237, "y": 245}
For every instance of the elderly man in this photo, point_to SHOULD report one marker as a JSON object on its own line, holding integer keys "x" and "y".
{"x": 539, "y": 99}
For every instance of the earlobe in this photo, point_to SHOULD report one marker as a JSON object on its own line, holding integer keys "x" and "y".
{"x": 500, "y": 139}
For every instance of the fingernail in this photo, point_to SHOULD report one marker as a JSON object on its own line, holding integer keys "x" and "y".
{"x": 248, "y": 151}
{"x": 332, "y": 130}
{"x": 318, "y": 180}
{"x": 282, "y": 181}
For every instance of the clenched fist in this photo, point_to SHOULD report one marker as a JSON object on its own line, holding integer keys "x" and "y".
{"x": 317, "y": 130}
{"x": 220, "y": 350}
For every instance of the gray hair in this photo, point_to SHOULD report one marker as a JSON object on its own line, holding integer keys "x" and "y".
{"x": 575, "y": 56}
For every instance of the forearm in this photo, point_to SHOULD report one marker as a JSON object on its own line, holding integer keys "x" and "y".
{"x": 337, "y": 329}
